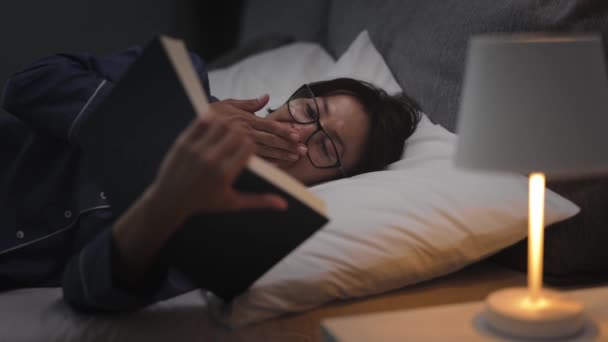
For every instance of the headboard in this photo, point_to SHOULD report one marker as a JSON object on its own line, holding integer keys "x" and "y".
{"x": 424, "y": 42}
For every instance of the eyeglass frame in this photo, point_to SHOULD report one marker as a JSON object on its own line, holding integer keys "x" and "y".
{"x": 338, "y": 163}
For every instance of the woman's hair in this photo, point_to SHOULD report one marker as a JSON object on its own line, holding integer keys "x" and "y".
{"x": 393, "y": 119}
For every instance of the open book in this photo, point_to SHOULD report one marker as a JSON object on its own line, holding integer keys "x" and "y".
{"x": 125, "y": 140}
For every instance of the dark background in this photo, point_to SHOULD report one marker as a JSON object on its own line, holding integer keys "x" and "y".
{"x": 30, "y": 29}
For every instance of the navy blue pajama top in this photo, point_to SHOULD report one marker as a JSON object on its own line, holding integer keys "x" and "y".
{"x": 55, "y": 221}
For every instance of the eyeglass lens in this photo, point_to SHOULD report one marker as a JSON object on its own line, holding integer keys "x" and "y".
{"x": 321, "y": 148}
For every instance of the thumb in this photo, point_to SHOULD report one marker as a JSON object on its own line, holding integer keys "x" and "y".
{"x": 251, "y": 105}
{"x": 259, "y": 201}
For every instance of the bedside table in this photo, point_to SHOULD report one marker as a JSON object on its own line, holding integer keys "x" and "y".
{"x": 457, "y": 322}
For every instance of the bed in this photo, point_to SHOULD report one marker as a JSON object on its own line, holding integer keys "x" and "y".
{"x": 423, "y": 43}
{"x": 39, "y": 315}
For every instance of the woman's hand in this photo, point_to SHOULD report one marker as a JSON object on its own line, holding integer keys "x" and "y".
{"x": 197, "y": 174}
{"x": 276, "y": 141}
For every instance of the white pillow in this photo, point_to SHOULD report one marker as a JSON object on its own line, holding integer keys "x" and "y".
{"x": 281, "y": 71}
{"x": 362, "y": 61}
{"x": 420, "y": 219}
{"x": 277, "y": 72}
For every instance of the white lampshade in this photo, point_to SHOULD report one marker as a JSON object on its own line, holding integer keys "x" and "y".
{"x": 534, "y": 102}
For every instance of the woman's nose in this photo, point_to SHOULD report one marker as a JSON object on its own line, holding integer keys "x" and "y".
{"x": 304, "y": 130}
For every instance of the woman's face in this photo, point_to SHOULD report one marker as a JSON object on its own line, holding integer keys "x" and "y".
{"x": 344, "y": 119}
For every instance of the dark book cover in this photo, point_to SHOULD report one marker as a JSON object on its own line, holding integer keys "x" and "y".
{"x": 124, "y": 142}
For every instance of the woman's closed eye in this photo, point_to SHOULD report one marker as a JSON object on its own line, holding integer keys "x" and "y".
{"x": 328, "y": 150}
{"x": 311, "y": 112}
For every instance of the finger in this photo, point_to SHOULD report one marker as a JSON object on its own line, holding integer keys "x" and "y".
{"x": 272, "y": 161}
{"x": 258, "y": 201}
{"x": 275, "y": 141}
{"x": 240, "y": 113}
{"x": 283, "y": 130}
{"x": 227, "y": 144}
{"x": 233, "y": 141}
{"x": 216, "y": 128}
{"x": 214, "y": 156}
{"x": 250, "y": 105}
{"x": 237, "y": 116}
{"x": 259, "y": 124}
{"x": 275, "y": 153}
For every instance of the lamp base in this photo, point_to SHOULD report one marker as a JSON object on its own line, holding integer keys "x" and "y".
{"x": 513, "y": 312}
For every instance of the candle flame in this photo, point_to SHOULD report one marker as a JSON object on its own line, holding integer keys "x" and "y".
{"x": 535, "y": 235}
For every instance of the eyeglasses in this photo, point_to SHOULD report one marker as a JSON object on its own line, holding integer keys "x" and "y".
{"x": 322, "y": 151}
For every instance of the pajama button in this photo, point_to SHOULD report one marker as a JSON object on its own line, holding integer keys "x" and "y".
{"x": 20, "y": 234}
{"x": 67, "y": 214}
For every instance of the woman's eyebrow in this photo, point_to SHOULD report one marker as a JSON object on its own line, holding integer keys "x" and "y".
{"x": 336, "y": 137}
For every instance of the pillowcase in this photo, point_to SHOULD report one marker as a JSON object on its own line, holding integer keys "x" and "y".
{"x": 256, "y": 46}
{"x": 362, "y": 61}
{"x": 276, "y": 72}
{"x": 421, "y": 218}
{"x": 575, "y": 249}
{"x": 282, "y": 71}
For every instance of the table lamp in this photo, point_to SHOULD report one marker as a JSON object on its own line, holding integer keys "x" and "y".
{"x": 534, "y": 104}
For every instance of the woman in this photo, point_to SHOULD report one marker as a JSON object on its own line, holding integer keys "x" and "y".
{"x": 57, "y": 225}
